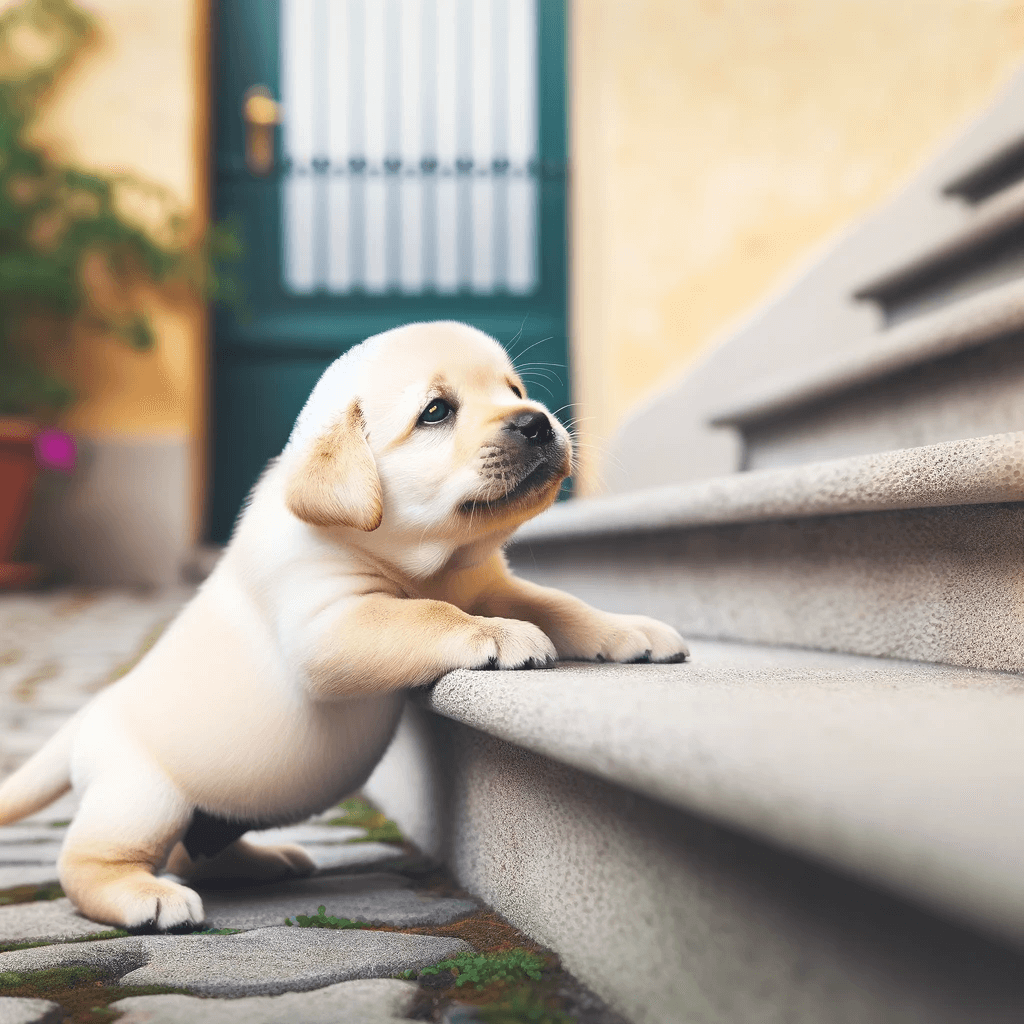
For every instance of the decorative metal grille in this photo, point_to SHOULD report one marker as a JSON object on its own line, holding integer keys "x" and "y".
{"x": 410, "y": 144}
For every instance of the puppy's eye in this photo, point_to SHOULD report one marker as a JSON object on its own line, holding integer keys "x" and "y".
{"x": 437, "y": 411}
{"x": 516, "y": 391}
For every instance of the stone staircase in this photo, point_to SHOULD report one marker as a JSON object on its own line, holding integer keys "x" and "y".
{"x": 820, "y": 818}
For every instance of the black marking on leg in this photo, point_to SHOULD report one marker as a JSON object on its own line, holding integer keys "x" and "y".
{"x": 208, "y": 835}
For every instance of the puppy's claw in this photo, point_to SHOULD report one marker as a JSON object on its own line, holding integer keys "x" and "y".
{"x": 674, "y": 659}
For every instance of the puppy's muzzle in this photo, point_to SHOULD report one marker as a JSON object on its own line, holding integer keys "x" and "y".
{"x": 521, "y": 463}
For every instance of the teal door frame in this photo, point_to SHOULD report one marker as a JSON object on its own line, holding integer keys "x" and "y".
{"x": 266, "y": 361}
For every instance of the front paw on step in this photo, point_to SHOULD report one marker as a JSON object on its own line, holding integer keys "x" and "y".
{"x": 636, "y": 639}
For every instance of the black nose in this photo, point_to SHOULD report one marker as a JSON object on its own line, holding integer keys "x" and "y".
{"x": 534, "y": 426}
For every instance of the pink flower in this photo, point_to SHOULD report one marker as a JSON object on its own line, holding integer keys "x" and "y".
{"x": 55, "y": 450}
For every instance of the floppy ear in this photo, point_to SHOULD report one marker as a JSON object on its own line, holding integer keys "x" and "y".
{"x": 337, "y": 483}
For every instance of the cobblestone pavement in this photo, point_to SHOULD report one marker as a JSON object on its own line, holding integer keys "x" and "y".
{"x": 346, "y": 945}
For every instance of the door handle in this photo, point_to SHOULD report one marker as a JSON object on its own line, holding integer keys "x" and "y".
{"x": 261, "y": 113}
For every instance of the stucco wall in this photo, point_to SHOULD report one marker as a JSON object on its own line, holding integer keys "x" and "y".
{"x": 136, "y": 102}
{"x": 718, "y": 144}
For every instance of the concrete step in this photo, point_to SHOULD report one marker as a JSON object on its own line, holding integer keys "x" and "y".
{"x": 912, "y": 554}
{"x": 953, "y": 373}
{"x": 760, "y": 834}
{"x": 987, "y": 249}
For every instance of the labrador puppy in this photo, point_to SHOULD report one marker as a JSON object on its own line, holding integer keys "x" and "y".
{"x": 367, "y": 560}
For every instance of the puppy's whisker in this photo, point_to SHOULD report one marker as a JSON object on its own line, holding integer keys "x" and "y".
{"x": 530, "y": 347}
{"x": 517, "y": 335}
{"x": 568, "y": 405}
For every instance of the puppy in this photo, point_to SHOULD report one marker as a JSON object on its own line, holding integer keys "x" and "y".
{"x": 367, "y": 560}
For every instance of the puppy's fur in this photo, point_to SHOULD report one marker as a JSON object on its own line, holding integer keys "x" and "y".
{"x": 367, "y": 560}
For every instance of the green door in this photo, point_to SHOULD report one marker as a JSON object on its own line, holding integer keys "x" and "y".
{"x": 418, "y": 173}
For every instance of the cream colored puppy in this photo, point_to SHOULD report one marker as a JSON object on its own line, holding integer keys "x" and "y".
{"x": 367, "y": 560}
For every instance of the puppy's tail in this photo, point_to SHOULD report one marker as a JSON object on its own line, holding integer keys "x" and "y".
{"x": 45, "y": 776}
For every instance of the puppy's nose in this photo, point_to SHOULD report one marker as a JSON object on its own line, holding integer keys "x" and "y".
{"x": 534, "y": 426}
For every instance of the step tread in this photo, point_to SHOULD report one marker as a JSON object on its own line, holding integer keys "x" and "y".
{"x": 966, "y": 324}
{"x": 975, "y": 471}
{"x": 907, "y": 775}
{"x": 1003, "y": 212}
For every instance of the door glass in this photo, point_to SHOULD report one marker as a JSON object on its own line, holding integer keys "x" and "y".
{"x": 410, "y": 146}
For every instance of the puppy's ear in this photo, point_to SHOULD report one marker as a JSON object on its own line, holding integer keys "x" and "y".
{"x": 337, "y": 482}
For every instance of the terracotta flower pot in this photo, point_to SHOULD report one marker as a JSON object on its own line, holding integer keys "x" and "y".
{"x": 18, "y": 469}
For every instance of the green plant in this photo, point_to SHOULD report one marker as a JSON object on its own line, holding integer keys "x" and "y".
{"x": 523, "y": 1006}
{"x": 321, "y": 920}
{"x": 482, "y": 969}
{"x": 358, "y": 813}
{"x": 69, "y": 250}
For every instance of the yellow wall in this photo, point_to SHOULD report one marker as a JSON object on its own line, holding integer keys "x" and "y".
{"x": 136, "y": 101}
{"x": 718, "y": 143}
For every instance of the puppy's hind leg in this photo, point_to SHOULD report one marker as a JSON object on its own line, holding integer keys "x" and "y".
{"x": 126, "y": 825}
{"x": 242, "y": 862}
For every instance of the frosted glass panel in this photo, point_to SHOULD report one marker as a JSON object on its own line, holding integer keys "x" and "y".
{"x": 410, "y": 143}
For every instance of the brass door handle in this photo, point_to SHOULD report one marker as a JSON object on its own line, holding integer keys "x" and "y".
{"x": 261, "y": 113}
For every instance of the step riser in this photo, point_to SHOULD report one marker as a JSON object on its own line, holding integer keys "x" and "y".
{"x": 672, "y": 919}
{"x": 940, "y": 585}
{"x": 971, "y": 394}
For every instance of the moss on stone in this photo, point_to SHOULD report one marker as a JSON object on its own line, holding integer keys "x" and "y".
{"x": 30, "y": 893}
{"x": 113, "y": 933}
{"x": 83, "y": 992}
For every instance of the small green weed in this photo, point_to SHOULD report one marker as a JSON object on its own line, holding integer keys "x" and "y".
{"x": 321, "y": 920}
{"x": 483, "y": 969}
{"x": 358, "y": 813}
{"x": 220, "y": 931}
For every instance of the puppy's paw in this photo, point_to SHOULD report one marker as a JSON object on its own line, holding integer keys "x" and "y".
{"x": 628, "y": 638}
{"x": 512, "y": 643}
{"x": 140, "y": 901}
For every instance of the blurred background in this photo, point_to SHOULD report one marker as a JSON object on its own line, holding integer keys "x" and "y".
{"x": 610, "y": 187}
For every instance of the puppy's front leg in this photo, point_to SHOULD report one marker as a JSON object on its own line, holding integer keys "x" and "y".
{"x": 578, "y": 631}
{"x": 379, "y": 643}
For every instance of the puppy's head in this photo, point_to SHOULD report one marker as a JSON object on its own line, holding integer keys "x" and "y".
{"x": 425, "y": 431}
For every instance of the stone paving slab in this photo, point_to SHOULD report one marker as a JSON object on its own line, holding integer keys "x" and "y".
{"x": 29, "y": 853}
{"x": 373, "y": 898}
{"x": 307, "y": 834}
{"x": 45, "y": 921}
{"x": 346, "y": 858}
{"x": 27, "y": 874}
{"x": 14, "y": 1010}
{"x": 373, "y": 1001}
{"x": 11, "y": 834}
{"x": 266, "y": 961}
